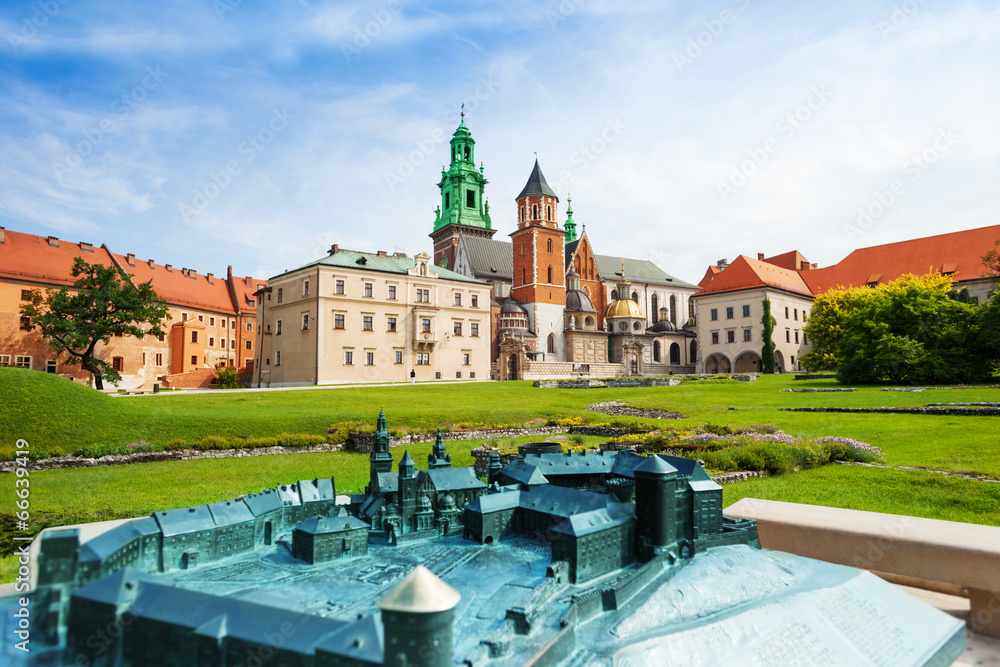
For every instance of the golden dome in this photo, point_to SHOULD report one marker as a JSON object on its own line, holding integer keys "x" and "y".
{"x": 624, "y": 308}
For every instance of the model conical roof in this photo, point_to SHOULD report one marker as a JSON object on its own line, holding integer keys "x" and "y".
{"x": 656, "y": 466}
{"x": 420, "y": 592}
{"x": 536, "y": 184}
{"x": 407, "y": 460}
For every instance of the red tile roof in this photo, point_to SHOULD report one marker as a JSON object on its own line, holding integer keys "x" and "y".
{"x": 792, "y": 260}
{"x": 745, "y": 273}
{"x": 957, "y": 252}
{"x": 710, "y": 273}
{"x": 50, "y": 260}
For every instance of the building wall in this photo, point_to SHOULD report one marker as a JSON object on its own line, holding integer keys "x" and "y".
{"x": 788, "y": 309}
{"x": 318, "y": 354}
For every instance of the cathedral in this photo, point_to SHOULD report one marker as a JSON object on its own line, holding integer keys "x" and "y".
{"x": 558, "y": 308}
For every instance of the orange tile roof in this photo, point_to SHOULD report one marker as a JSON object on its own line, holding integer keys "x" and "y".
{"x": 49, "y": 261}
{"x": 958, "y": 252}
{"x": 791, "y": 260}
{"x": 44, "y": 260}
{"x": 710, "y": 274}
{"x": 745, "y": 273}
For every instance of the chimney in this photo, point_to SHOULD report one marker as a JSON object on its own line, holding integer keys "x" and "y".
{"x": 382, "y": 253}
{"x": 130, "y": 258}
{"x": 813, "y": 266}
{"x": 722, "y": 263}
{"x": 86, "y": 247}
{"x": 334, "y": 248}
{"x": 53, "y": 241}
{"x": 760, "y": 257}
{"x": 803, "y": 265}
{"x": 210, "y": 279}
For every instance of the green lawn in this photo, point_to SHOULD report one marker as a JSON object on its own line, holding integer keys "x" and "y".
{"x": 55, "y": 415}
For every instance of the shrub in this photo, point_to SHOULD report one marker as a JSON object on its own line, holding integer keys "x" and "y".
{"x": 861, "y": 452}
{"x": 722, "y": 460}
{"x": 228, "y": 377}
{"x": 99, "y": 449}
{"x": 177, "y": 444}
{"x": 716, "y": 429}
{"x": 212, "y": 442}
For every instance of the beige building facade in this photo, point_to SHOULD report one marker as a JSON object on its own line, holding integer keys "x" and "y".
{"x": 356, "y": 317}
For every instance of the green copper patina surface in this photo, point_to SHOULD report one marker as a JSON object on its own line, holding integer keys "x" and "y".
{"x": 461, "y": 185}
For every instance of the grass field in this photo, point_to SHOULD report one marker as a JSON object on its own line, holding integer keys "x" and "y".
{"x": 56, "y": 416}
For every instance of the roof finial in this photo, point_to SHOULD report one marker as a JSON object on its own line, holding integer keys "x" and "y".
{"x": 463, "y": 110}
{"x": 623, "y": 270}
{"x": 536, "y": 155}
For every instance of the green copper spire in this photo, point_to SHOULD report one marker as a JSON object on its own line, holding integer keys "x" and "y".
{"x": 462, "y": 184}
{"x": 570, "y": 223}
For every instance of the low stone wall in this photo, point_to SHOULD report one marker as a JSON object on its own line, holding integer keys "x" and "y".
{"x": 610, "y": 383}
{"x": 816, "y": 376}
{"x": 951, "y": 412}
{"x": 57, "y": 462}
{"x": 619, "y": 409}
{"x": 199, "y": 379}
{"x": 822, "y": 390}
{"x": 745, "y": 377}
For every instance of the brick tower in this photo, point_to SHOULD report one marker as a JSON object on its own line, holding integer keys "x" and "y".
{"x": 539, "y": 263}
{"x": 463, "y": 209}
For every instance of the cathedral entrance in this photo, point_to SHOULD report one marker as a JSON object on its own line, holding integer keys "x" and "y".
{"x": 512, "y": 367}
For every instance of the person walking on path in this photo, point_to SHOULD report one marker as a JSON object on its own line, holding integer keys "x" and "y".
{"x": 413, "y": 376}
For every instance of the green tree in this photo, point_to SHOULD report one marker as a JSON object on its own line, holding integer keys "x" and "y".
{"x": 102, "y": 303}
{"x": 992, "y": 260}
{"x": 767, "y": 352}
{"x": 826, "y": 326}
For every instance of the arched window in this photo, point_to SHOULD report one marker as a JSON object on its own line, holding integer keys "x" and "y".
{"x": 675, "y": 354}
{"x": 673, "y": 309}
{"x": 466, "y": 152}
{"x": 550, "y": 275}
{"x": 656, "y": 351}
{"x": 534, "y": 211}
{"x": 614, "y": 295}
{"x": 550, "y": 245}
{"x": 548, "y": 212}
{"x": 586, "y": 290}
{"x": 552, "y": 344}
{"x": 522, "y": 248}
{"x": 522, "y": 214}
{"x": 652, "y": 306}
{"x": 694, "y": 352}
{"x": 635, "y": 297}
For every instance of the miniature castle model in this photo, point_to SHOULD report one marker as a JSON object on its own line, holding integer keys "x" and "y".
{"x": 620, "y": 527}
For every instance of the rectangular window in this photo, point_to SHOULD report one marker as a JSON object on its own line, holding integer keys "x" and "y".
{"x": 277, "y": 328}
{"x": 747, "y": 335}
{"x": 730, "y": 336}
{"x": 280, "y": 297}
{"x": 795, "y": 313}
{"x": 51, "y": 366}
{"x": 249, "y": 326}
{"x": 423, "y": 358}
{"x": 223, "y": 323}
{"x": 159, "y": 359}
{"x": 368, "y": 290}
{"x": 184, "y": 317}
{"x": 458, "y": 298}
{"x": 222, "y": 343}
{"x": 277, "y": 357}
{"x": 796, "y": 335}
{"x": 249, "y": 344}
{"x": 211, "y": 321}
{"x": 474, "y": 328}
{"x": 729, "y": 313}
{"x": 194, "y": 336}
{"x": 466, "y": 359}
{"x": 746, "y": 311}
{"x": 475, "y": 300}
{"x": 339, "y": 287}
{"x": 366, "y": 323}
{"x": 4, "y": 360}
{"x": 399, "y": 356}
{"x": 305, "y": 288}
{"x": 118, "y": 364}
{"x": 715, "y": 338}
{"x": 369, "y": 358}
{"x": 201, "y": 318}
{"x": 788, "y": 336}
{"x": 423, "y": 295}
{"x": 211, "y": 341}
{"x": 458, "y": 375}
{"x": 391, "y": 324}
{"x": 348, "y": 357}
{"x": 25, "y": 323}
{"x": 194, "y": 360}
{"x": 25, "y": 295}
{"x": 232, "y": 343}
{"x": 305, "y": 321}
{"x": 392, "y": 292}
{"x": 470, "y": 199}
{"x": 425, "y": 326}
{"x": 804, "y": 341}
{"x": 786, "y": 312}
{"x": 338, "y": 321}
{"x": 22, "y": 361}
{"x": 162, "y": 338}
{"x": 715, "y": 313}
{"x": 458, "y": 328}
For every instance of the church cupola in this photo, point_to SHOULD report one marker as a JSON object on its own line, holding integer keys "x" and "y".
{"x": 537, "y": 204}
{"x": 570, "y": 225}
{"x": 463, "y": 208}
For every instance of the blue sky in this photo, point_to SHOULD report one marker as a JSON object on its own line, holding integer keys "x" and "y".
{"x": 204, "y": 133}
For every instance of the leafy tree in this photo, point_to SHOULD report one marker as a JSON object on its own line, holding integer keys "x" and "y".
{"x": 102, "y": 303}
{"x": 908, "y": 331}
{"x": 767, "y": 353}
{"x": 992, "y": 260}
{"x": 228, "y": 377}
